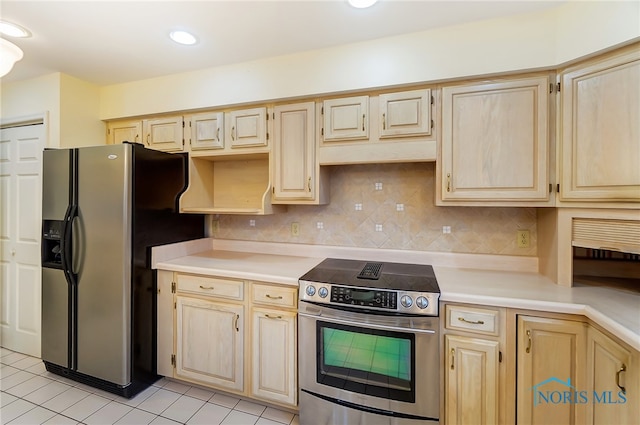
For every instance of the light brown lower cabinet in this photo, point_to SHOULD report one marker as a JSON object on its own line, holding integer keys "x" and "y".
{"x": 203, "y": 336}
{"x": 471, "y": 379}
{"x": 613, "y": 377}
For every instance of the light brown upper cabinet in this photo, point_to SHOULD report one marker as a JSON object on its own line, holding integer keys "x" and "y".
{"x": 346, "y": 119}
{"x": 600, "y": 136}
{"x": 495, "y": 143}
{"x": 247, "y": 128}
{"x": 405, "y": 114}
{"x": 206, "y": 131}
{"x": 164, "y": 134}
{"x": 124, "y": 131}
{"x": 296, "y": 171}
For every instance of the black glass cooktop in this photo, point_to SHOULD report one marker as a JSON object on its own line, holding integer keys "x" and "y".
{"x": 372, "y": 274}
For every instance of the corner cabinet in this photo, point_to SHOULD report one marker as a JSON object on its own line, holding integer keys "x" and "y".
{"x": 297, "y": 179}
{"x": 495, "y": 143}
{"x": 600, "y": 137}
{"x": 550, "y": 362}
{"x": 229, "y": 334}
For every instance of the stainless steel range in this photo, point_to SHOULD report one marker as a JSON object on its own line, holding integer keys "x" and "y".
{"x": 369, "y": 344}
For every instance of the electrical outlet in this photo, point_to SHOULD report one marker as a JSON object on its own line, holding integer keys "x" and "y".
{"x": 523, "y": 238}
{"x": 295, "y": 229}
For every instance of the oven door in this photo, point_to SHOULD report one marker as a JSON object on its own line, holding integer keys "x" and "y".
{"x": 368, "y": 361}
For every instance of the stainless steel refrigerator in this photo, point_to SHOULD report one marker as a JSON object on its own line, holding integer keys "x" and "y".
{"x": 104, "y": 207}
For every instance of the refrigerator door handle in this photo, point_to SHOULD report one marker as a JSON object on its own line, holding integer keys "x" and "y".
{"x": 67, "y": 248}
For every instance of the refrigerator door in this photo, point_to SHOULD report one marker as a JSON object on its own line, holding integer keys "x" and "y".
{"x": 102, "y": 235}
{"x": 56, "y": 190}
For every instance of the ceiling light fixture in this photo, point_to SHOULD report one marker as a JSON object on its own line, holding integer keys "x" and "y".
{"x": 183, "y": 37}
{"x": 9, "y": 55}
{"x": 361, "y": 4}
{"x": 13, "y": 30}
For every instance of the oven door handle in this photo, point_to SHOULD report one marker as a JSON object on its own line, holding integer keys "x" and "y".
{"x": 368, "y": 325}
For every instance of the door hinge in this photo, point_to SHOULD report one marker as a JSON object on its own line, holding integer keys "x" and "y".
{"x": 499, "y": 356}
{"x": 267, "y": 136}
{"x": 431, "y": 123}
{"x": 558, "y": 188}
{"x": 432, "y": 100}
{"x": 550, "y": 188}
{"x": 322, "y": 111}
{"x": 558, "y": 87}
{"x": 273, "y": 190}
{"x": 274, "y": 116}
{"x": 550, "y": 87}
{"x": 175, "y": 305}
{"x": 182, "y": 123}
{"x": 108, "y": 131}
{"x": 173, "y": 287}
{"x": 173, "y": 360}
{"x": 322, "y": 131}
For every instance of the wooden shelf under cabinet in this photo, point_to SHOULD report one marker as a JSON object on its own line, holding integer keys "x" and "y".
{"x": 233, "y": 185}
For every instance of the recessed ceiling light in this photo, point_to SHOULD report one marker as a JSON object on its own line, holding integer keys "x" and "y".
{"x": 361, "y": 4}
{"x": 13, "y": 30}
{"x": 183, "y": 37}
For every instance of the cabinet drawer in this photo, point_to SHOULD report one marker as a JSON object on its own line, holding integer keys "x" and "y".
{"x": 274, "y": 295}
{"x": 472, "y": 319}
{"x": 212, "y": 286}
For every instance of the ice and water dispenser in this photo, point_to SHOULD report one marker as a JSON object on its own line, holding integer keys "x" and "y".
{"x": 52, "y": 243}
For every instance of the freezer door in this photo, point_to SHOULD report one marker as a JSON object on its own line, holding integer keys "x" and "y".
{"x": 102, "y": 241}
{"x": 55, "y": 317}
{"x": 56, "y": 174}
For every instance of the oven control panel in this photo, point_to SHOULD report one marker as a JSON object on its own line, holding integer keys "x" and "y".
{"x": 407, "y": 302}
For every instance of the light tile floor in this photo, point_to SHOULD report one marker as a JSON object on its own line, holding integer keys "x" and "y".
{"x": 29, "y": 394}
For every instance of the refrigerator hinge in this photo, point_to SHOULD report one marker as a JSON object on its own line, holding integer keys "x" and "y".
{"x": 173, "y": 360}
{"x": 173, "y": 287}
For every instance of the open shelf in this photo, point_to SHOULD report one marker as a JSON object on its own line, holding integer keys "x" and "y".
{"x": 229, "y": 185}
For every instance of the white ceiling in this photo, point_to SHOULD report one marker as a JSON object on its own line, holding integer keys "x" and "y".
{"x": 108, "y": 42}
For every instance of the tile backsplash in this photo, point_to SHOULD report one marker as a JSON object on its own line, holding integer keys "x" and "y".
{"x": 389, "y": 206}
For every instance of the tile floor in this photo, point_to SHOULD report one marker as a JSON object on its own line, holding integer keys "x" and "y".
{"x": 31, "y": 395}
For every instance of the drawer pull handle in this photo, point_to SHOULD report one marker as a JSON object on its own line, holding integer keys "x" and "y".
{"x": 622, "y": 369}
{"x": 279, "y": 297}
{"x": 273, "y": 317}
{"x": 208, "y": 288}
{"x": 453, "y": 356}
{"x": 472, "y": 322}
{"x": 528, "y": 350}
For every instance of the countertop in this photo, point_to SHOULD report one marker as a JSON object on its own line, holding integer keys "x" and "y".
{"x": 615, "y": 310}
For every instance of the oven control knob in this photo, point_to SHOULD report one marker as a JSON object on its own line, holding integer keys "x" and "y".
{"x": 406, "y": 301}
{"x": 422, "y": 302}
{"x": 323, "y": 292}
{"x": 311, "y": 290}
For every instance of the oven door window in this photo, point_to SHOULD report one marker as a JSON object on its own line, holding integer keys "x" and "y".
{"x": 367, "y": 361}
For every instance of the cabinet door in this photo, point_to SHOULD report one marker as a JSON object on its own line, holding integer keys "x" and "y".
{"x": 471, "y": 380}
{"x": 207, "y": 131}
{"x": 209, "y": 342}
{"x": 294, "y": 152}
{"x": 495, "y": 141}
{"x": 612, "y": 381}
{"x": 405, "y": 114}
{"x": 124, "y": 131}
{"x": 346, "y": 119}
{"x": 247, "y": 128}
{"x": 600, "y": 143}
{"x": 164, "y": 134}
{"x": 273, "y": 354}
{"x": 551, "y": 362}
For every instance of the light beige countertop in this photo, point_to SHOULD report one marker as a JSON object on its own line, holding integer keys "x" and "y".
{"x": 617, "y": 311}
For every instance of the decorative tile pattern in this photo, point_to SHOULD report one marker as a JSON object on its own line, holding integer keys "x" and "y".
{"x": 403, "y": 205}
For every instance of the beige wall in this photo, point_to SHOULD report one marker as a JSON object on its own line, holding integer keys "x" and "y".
{"x": 531, "y": 41}
{"x": 417, "y": 227}
{"x": 72, "y": 107}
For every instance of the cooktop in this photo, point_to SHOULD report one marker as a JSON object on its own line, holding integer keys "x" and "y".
{"x": 374, "y": 286}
